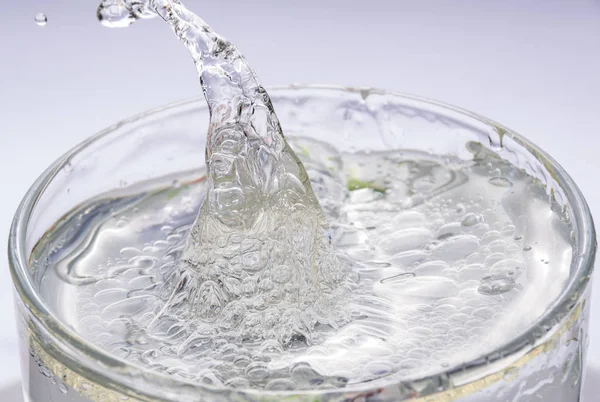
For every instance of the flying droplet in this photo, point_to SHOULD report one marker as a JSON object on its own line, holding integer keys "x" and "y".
{"x": 41, "y": 19}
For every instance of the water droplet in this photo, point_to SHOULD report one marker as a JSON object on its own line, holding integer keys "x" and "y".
{"x": 527, "y": 248}
{"x": 45, "y": 371}
{"x": 63, "y": 388}
{"x": 41, "y": 19}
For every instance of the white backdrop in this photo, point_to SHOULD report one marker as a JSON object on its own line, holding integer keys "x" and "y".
{"x": 532, "y": 65}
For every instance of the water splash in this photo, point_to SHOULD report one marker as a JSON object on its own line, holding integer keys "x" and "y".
{"x": 261, "y": 231}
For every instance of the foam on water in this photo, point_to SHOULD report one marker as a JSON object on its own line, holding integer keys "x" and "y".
{"x": 448, "y": 265}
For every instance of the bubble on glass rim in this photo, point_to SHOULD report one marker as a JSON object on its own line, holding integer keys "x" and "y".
{"x": 492, "y": 285}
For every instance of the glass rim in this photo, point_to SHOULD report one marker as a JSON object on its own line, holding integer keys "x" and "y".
{"x": 582, "y": 266}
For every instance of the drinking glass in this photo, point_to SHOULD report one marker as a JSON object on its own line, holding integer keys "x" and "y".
{"x": 544, "y": 362}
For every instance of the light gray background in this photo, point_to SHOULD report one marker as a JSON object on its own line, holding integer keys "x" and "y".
{"x": 532, "y": 65}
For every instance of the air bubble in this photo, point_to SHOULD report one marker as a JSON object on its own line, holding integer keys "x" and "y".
{"x": 45, "y": 371}
{"x": 497, "y": 285}
{"x": 500, "y": 182}
{"x": 257, "y": 372}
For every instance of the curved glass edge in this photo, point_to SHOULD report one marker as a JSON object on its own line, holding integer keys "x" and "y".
{"x": 108, "y": 368}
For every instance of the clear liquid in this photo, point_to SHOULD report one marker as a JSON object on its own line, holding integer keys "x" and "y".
{"x": 283, "y": 272}
{"x": 446, "y": 260}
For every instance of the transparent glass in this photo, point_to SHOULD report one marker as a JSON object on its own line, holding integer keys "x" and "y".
{"x": 546, "y": 362}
